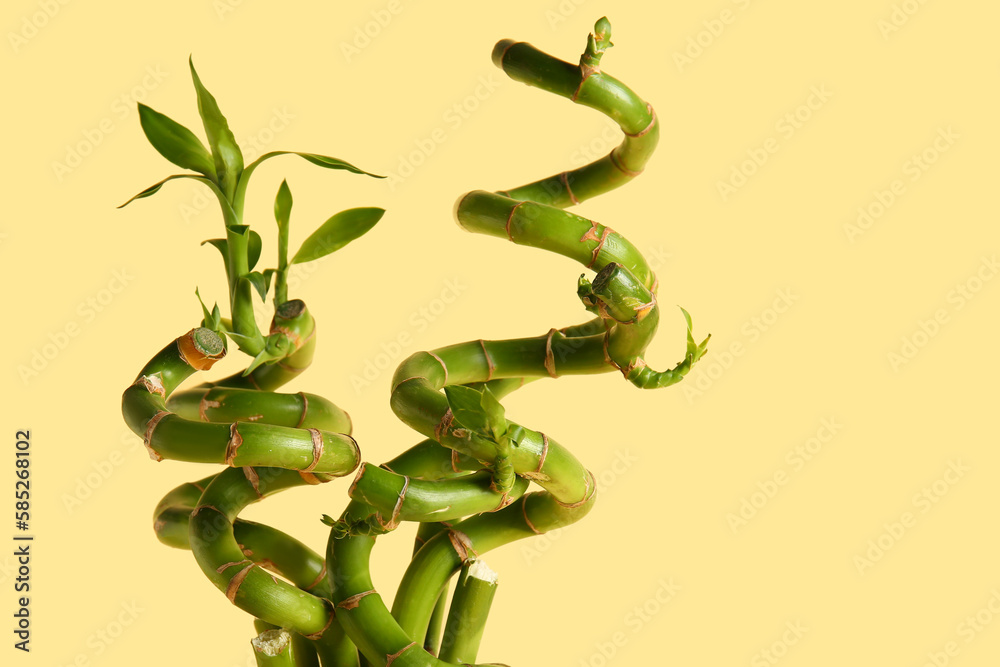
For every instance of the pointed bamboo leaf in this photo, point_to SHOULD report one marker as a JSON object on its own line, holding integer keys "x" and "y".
{"x": 283, "y": 205}
{"x": 153, "y": 189}
{"x": 466, "y": 407}
{"x": 319, "y": 160}
{"x": 254, "y": 246}
{"x": 494, "y": 414}
{"x": 262, "y": 358}
{"x": 225, "y": 150}
{"x": 175, "y": 142}
{"x": 204, "y": 308}
{"x": 223, "y": 246}
{"x": 338, "y": 231}
{"x": 261, "y": 282}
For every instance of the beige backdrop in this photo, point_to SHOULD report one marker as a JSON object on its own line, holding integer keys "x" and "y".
{"x": 820, "y": 491}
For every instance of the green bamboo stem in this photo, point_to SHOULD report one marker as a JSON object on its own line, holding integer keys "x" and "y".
{"x": 587, "y": 85}
{"x": 432, "y": 641}
{"x": 399, "y": 498}
{"x": 245, "y": 583}
{"x": 167, "y": 435}
{"x": 470, "y": 608}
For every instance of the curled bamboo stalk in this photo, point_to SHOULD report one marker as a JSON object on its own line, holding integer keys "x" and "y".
{"x": 474, "y": 456}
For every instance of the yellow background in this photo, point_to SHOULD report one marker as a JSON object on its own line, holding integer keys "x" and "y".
{"x": 674, "y": 463}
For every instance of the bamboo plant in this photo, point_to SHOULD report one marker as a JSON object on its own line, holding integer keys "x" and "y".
{"x": 467, "y": 482}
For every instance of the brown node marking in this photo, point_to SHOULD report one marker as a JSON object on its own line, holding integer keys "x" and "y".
{"x": 490, "y": 364}
{"x": 638, "y": 362}
{"x": 510, "y": 217}
{"x": 389, "y": 658}
{"x": 446, "y": 420}
{"x": 297, "y": 340}
{"x": 148, "y": 436}
{"x": 235, "y": 440}
{"x": 159, "y": 525}
{"x": 394, "y": 519}
{"x": 590, "y": 488}
{"x": 564, "y": 177}
{"x": 319, "y": 577}
{"x": 524, "y": 512}
{"x": 253, "y": 478}
{"x": 541, "y": 458}
{"x": 597, "y": 250}
{"x": 462, "y": 544}
{"x": 199, "y": 508}
{"x": 550, "y": 360}
{"x": 645, "y": 130}
{"x": 317, "y": 443}
{"x": 305, "y": 409}
{"x": 357, "y": 478}
{"x": 505, "y": 500}
{"x": 353, "y": 601}
{"x": 153, "y": 384}
{"x": 234, "y": 584}
{"x": 454, "y": 460}
{"x": 441, "y": 361}
{"x": 226, "y": 566}
{"x": 253, "y": 381}
{"x": 656, "y": 284}
{"x": 318, "y": 634}
{"x": 586, "y": 70}
{"x": 197, "y": 486}
{"x": 204, "y": 405}
{"x": 310, "y": 478}
{"x": 615, "y": 160}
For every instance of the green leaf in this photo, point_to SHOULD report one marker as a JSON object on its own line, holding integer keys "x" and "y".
{"x": 337, "y": 232}
{"x": 319, "y": 160}
{"x": 223, "y": 247}
{"x": 254, "y": 245}
{"x": 494, "y": 414}
{"x": 261, "y": 282}
{"x": 175, "y": 142}
{"x": 153, "y": 189}
{"x": 212, "y": 320}
{"x": 262, "y": 358}
{"x": 228, "y": 158}
{"x": 466, "y": 407}
{"x": 283, "y": 205}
